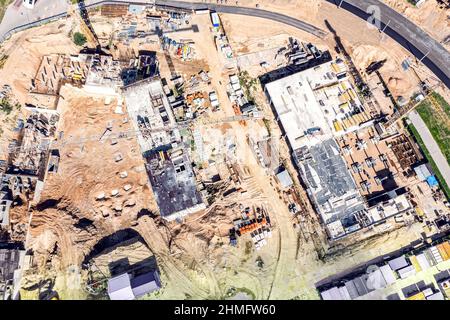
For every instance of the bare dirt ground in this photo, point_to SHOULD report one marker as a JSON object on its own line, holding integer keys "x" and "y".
{"x": 366, "y": 46}
{"x": 195, "y": 258}
{"x": 24, "y": 52}
{"x": 79, "y": 204}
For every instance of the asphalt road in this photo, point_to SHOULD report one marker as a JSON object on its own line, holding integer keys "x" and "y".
{"x": 16, "y": 16}
{"x": 406, "y": 33}
{"x": 398, "y": 27}
{"x": 432, "y": 146}
{"x": 395, "y": 25}
{"x": 260, "y": 13}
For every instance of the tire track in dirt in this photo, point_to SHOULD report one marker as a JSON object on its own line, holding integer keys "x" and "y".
{"x": 152, "y": 236}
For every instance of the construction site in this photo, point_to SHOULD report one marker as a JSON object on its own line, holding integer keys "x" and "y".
{"x": 178, "y": 154}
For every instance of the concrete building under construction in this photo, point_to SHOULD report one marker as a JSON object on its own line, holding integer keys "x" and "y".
{"x": 314, "y": 106}
{"x": 168, "y": 164}
{"x": 318, "y": 107}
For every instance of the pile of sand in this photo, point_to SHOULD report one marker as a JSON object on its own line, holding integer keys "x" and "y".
{"x": 399, "y": 86}
{"x": 364, "y": 55}
{"x": 399, "y": 82}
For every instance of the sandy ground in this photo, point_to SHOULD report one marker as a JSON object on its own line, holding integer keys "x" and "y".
{"x": 70, "y": 218}
{"x": 88, "y": 169}
{"x": 194, "y": 257}
{"x": 25, "y": 51}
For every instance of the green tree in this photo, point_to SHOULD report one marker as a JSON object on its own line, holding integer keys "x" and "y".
{"x": 79, "y": 39}
{"x": 6, "y": 106}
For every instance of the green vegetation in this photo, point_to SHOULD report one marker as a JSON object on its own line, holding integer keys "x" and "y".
{"x": 7, "y": 107}
{"x": 413, "y": 2}
{"x": 248, "y": 247}
{"x": 3, "y": 60}
{"x": 79, "y": 39}
{"x": 267, "y": 124}
{"x": 436, "y": 171}
{"x": 3, "y": 5}
{"x": 438, "y": 128}
{"x": 248, "y": 84}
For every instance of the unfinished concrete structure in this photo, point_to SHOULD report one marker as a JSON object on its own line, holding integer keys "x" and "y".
{"x": 337, "y": 148}
{"x": 5, "y": 204}
{"x": 309, "y": 104}
{"x": 53, "y": 71}
{"x": 152, "y": 116}
{"x": 372, "y": 165}
{"x": 173, "y": 183}
{"x": 104, "y": 73}
{"x": 168, "y": 164}
{"x": 331, "y": 186}
{"x": 11, "y": 257}
{"x": 316, "y": 104}
{"x": 30, "y": 156}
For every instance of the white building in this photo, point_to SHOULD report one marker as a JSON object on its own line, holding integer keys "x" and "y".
{"x": 314, "y": 106}
{"x": 29, "y": 3}
{"x": 127, "y": 287}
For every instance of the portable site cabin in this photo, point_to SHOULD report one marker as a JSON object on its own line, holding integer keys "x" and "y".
{"x": 127, "y": 287}
{"x": 215, "y": 19}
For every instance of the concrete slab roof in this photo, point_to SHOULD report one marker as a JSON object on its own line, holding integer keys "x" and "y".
{"x": 119, "y": 288}
{"x": 329, "y": 182}
{"x": 297, "y": 108}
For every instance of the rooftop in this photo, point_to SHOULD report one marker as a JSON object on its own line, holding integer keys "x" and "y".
{"x": 285, "y": 179}
{"x": 297, "y": 108}
{"x": 420, "y": 275}
{"x": 149, "y": 109}
{"x": 103, "y": 70}
{"x": 316, "y": 104}
{"x": 173, "y": 183}
{"x": 128, "y": 287}
{"x": 329, "y": 183}
{"x": 371, "y": 163}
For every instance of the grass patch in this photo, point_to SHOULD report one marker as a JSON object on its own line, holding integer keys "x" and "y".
{"x": 425, "y": 151}
{"x": 267, "y": 124}
{"x": 248, "y": 84}
{"x": 439, "y": 129}
{"x": 7, "y": 107}
{"x": 3, "y": 5}
{"x": 248, "y": 247}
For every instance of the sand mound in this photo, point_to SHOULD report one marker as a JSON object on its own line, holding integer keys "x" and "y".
{"x": 364, "y": 55}
{"x": 398, "y": 84}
